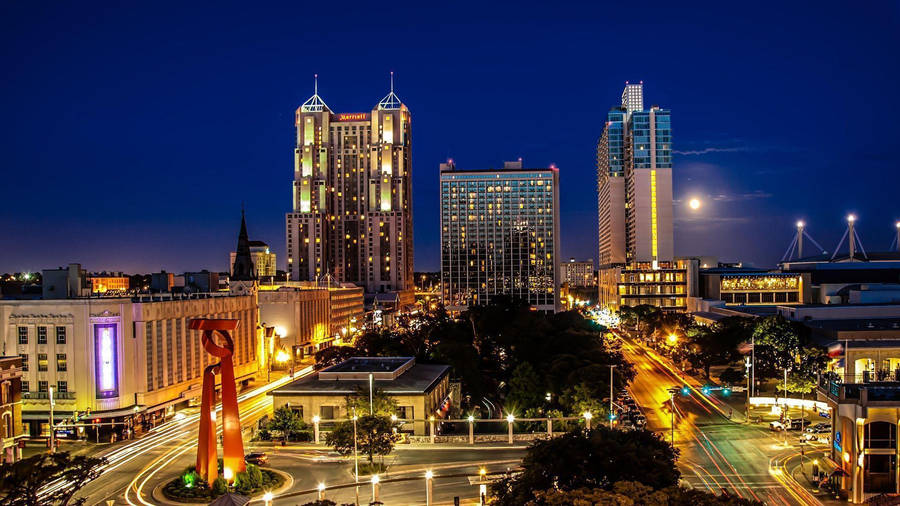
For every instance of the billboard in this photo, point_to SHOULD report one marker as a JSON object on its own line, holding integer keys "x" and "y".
{"x": 105, "y": 355}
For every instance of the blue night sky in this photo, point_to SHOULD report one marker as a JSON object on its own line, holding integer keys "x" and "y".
{"x": 131, "y": 136}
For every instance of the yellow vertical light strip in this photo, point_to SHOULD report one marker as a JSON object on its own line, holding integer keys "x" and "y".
{"x": 653, "y": 217}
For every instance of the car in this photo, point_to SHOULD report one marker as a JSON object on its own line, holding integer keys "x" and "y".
{"x": 777, "y": 425}
{"x": 819, "y": 427}
{"x": 257, "y": 458}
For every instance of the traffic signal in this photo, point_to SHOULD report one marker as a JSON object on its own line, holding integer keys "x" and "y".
{"x": 706, "y": 390}
{"x": 685, "y": 390}
{"x": 726, "y": 391}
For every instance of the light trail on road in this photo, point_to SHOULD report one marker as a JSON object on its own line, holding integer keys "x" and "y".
{"x": 655, "y": 377}
{"x": 174, "y": 430}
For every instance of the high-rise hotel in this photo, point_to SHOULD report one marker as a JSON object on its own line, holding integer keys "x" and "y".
{"x": 634, "y": 176}
{"x": 500, "y": 235}
{"x": 352, "y": 207}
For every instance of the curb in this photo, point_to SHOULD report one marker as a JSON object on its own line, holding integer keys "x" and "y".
{"x": 158, "y": 496}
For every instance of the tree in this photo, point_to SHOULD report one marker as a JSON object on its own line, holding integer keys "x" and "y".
{"x": 525, "y": 389}
{"x": 798, "y": 383}
{"x": 732, "y": 376}
{"x": 783, "y": 344}
{"x": 358, "y": 402}
{"x": 592, "y": 459}
{"x": 633, "y": 493}
{"x": 581, "y": 399}
{"x": 287, "y": 422}
{"x": 334, "y": 355}
{"x": 374, "y": 436}
{"x": 20, "y": 482}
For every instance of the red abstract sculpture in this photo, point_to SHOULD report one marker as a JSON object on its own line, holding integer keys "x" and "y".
{"x": 232, "y": 444}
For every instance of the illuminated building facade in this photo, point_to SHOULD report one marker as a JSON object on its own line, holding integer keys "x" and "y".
{"x": 757, "y": 288}
{"x": 352, "y": 206}
{"x": 577, "y": 274}
{"x": 263, "y": 259}
{"x": 104, "y": 282}
{"x": 119, "y": 358}
{"x": 499, "y": 235}
{"x": 634, "y": 183}
{"x": 11, "y": 408}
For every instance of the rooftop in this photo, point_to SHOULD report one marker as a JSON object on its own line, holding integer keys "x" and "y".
{"x": 392, "y": 375}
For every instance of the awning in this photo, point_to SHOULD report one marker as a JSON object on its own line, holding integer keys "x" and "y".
{"x": 838, "y": 471}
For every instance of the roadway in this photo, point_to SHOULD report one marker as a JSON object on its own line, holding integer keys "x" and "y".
{"x": 716, "y": 453}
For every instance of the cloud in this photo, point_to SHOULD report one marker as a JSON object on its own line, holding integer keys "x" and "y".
{"x": 705, "y": 151}
{"x": 758, "y": 194}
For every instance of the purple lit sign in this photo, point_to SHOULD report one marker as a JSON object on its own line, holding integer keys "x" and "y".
{"x": 105, "y": 350}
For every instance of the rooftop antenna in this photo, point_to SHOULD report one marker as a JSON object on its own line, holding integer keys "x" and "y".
{"x": 852, "y": 239}
{"x": 315, "y": 84}
{"x": 392, "y": 81}
{"x": 796, "y": 244}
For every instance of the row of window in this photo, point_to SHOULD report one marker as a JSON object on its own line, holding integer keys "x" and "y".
{"x": 42, "y": 335}
{"x": 42, "y": 362}
{"x": 43, "y": 386}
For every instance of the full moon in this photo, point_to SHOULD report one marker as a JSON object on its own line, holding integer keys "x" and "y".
{"x": 694, "y": 203}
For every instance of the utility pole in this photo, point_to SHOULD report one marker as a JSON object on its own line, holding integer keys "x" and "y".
{"x": 355, "y": 458}
{"x": 371, "y": 387}
{"x": 672, "y": 422}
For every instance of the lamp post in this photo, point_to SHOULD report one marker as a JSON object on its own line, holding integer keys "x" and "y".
{"x": 355, "y": 457}
{"x": 321, "y": 491}
{"x": 672, "y": 416}
{"x": 52, "y": 435}
{"x": 587, "y": 419}
{"x": 471, "y": 430}
{"x": 482, "y": 487}
{"x": 267, "y": 498}
{"x": 429, "y": 487}
{"x": 747, "y": 365}
{"x": 316, "y": 420}
{"x": 509, "y": 421}
{"x": 431, "y": 428}
{"x": 611, "y": 417}
{"x": 376, "y": 488}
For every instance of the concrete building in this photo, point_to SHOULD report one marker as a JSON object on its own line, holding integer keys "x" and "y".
{"x": 634, "y": 178}
{"x": 577, "y": 274}
{"x": 352, "y": 205}
{"x": 64, "y": 283}
{"x": 264, "y": 260}
{"x": 301, "y": 318}
{"x": 500, "y": 235}
{"x": 121, "y": 359}
{"x": 421, "y": 390}
{"x": 11, "y": 428}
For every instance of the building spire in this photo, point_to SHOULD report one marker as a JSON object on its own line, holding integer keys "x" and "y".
{"x": 391, "y": 102}
{"x": 315, "y": 102}
{"x": 243, "y": 269}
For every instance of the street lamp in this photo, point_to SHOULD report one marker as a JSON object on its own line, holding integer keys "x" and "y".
{"x": 375, "y": 488}
{"x": 471, "y": 430}
{"x": 355, "y": 456}
{"x": 672, "y": 338}
{"x": 322, "y": 491}
{"x": 509, "y": 420}
{"x": 267, "y": 497}
{"x": 482, "y": 487}
{"x": 587, "y": 419}
{"x": 431, "y": 427}
{"x": 429, "y": 487}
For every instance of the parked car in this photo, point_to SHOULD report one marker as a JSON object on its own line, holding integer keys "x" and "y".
{"x": 777, "y": 425}
{"x": 819, "y": 428}
{"x": 257, "y": 458}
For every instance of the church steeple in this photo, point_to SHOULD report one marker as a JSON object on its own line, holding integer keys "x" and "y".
{"x": 243, "y": 269}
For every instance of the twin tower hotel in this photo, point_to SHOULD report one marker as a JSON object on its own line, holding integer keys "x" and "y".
{"x": 352, "y": 208}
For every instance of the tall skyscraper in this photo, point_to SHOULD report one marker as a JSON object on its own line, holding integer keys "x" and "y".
{"x": 634, "y": 176}
{"x": 500, "y": 235}
{"x": 352, "y": 206}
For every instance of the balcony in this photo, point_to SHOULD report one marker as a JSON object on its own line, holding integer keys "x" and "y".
{"x": 41, "y": 396}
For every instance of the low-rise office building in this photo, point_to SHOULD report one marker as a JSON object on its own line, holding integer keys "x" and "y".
{"x": 421, "y": 390}
{"x": 121, "y": 359}
{"x": 109, "y": 282}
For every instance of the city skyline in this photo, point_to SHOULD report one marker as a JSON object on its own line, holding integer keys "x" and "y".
{"x": 146, "y": 137}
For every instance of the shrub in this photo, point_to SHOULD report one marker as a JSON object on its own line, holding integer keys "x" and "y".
{"x": 220, "y": 486}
